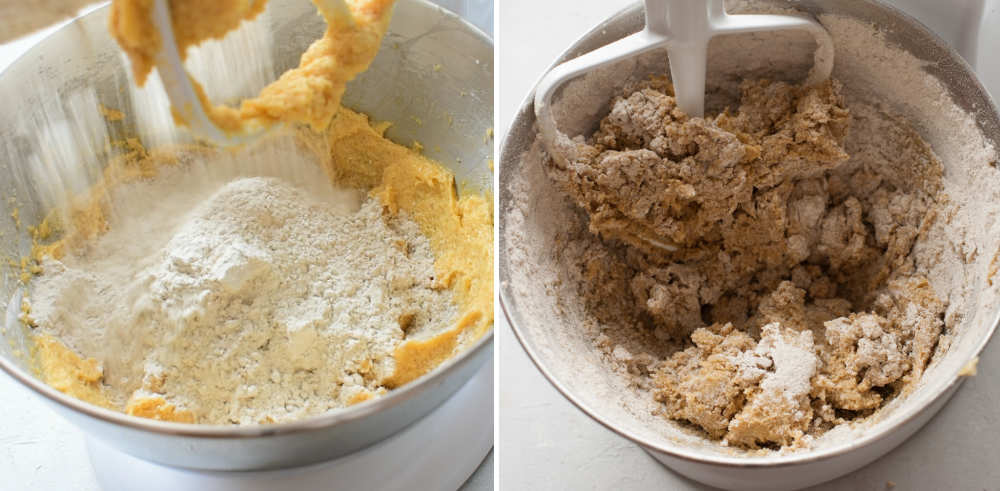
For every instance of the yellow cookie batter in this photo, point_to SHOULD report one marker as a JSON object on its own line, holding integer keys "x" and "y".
{"x": 64, "y": 370}
{"x": 307, "y": 94}
{"x": 459, "y": 231}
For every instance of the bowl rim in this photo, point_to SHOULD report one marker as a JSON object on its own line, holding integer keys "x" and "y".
{"x": 899, "y": 418}
{"x": 391, "y": 399}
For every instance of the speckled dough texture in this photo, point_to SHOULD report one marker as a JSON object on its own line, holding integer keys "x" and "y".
{"x": 832, "y": 244}
{"x": 782, "y": 246}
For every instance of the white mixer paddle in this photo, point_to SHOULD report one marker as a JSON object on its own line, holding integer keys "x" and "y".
{"x": 181, "y": 92}
{"x": 684, "y": 28}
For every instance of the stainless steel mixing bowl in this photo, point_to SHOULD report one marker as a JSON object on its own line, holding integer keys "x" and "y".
{"x": 583, "y": 381}
{"x": 433, "y": 78}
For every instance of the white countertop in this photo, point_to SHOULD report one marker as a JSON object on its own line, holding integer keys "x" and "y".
{"x": 41, "y": 451}
{"x": 547, "y": 443}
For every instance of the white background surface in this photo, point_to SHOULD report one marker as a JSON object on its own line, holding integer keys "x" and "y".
{"x": 546, "y": 443}
{"x": 41, "y": 451}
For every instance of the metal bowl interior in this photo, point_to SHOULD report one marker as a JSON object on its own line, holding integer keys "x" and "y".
{"x": 433, "y": 79}
{"x": 572, "y": 363}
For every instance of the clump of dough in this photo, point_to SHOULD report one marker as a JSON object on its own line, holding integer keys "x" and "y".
{"x": 309, "y": 93}
{"x": 654, "y": 173}
{"x": 778, "y": 408}
{"x": 790, "y": 303}
{"x": 707, "y": 384}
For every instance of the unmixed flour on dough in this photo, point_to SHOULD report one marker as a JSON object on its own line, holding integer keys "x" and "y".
{"x": 791, "y": 304}
{"x": 244, "y": 299}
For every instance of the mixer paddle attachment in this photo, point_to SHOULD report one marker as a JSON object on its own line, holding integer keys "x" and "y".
{"x": 183, "y": 97}
{"x": 684, "y": 28}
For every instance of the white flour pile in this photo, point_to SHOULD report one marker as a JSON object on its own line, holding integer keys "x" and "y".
{"x": 243, "y": 298}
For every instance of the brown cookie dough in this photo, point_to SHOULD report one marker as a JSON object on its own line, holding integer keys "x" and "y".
{"x": 789, "y": 302}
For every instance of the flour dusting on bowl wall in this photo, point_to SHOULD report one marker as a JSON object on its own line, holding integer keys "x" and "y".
{"x": 269, "y": 298}
{"x": 735, "y": 383}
